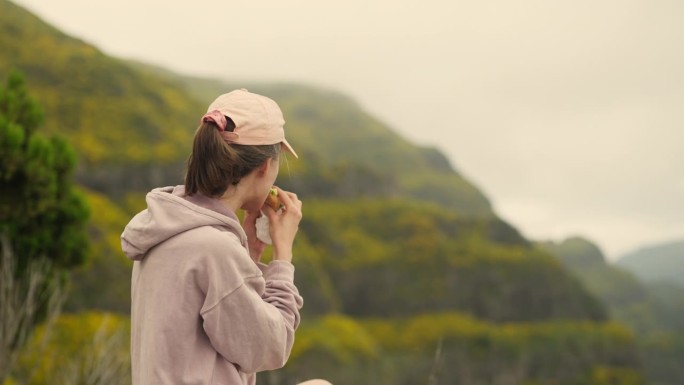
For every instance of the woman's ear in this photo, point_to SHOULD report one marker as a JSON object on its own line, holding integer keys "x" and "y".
{"x": 265, "y": 167}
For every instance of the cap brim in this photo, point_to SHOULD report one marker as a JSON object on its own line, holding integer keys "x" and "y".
{"x": 289, "y": 148}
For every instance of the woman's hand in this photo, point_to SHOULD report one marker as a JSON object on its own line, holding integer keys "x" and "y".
{"x": 256, "y": 247}
{"x": 283, "y": 224}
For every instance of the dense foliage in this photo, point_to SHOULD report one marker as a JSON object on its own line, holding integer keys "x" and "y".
{"x": 85, "y": 348}
{"x": 40, "y": 209}
{"x": 395, "y": 257}
{"x": 439, "y": 348}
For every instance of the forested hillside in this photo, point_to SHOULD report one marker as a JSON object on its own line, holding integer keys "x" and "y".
{"x": 654, "y": 311}
{"x": 408, "y": 275}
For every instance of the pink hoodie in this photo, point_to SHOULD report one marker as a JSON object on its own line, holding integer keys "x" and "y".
{"x": 202, "y": 311}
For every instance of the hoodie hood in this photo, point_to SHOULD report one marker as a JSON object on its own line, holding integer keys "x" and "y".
{"x": 169, "y": 212}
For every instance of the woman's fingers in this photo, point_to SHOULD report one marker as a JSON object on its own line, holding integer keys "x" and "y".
{"x": 289, "y": 200}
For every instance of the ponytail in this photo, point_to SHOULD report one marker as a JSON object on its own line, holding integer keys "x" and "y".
{"x": 214, "y": 164}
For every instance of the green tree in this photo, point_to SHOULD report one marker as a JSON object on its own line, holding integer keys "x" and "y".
{"x": 42, "y": 218}
{"x": 40, "y": 209}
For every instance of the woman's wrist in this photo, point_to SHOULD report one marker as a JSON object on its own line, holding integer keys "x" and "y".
{"x": 282, "y": 256}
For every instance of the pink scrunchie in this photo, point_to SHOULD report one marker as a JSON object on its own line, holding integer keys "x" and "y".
{"x": 220, "y": 120}
{"x": 217, "y": 117}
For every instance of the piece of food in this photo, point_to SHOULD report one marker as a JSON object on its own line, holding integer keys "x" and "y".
{"x": 272, "y": 199}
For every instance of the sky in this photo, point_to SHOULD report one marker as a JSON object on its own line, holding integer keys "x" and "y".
{"x": 568, "y": 115}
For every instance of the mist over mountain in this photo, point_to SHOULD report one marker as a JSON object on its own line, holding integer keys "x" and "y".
{"x": 657, "y": 263}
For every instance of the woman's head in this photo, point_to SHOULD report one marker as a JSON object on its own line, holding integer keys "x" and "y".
{"x": 239, "y": 134}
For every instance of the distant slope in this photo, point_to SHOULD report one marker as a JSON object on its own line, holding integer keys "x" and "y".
{"x": 618, "y": 288}
{"x": 655, "y": 311}
{"x": 657, "y": 263}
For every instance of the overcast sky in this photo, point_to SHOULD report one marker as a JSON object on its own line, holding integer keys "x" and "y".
{"x": 569, "y": 115}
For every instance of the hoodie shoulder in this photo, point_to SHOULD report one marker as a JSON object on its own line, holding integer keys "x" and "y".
{"x": 166, "y": 216}
{"x": 213, "y": 246}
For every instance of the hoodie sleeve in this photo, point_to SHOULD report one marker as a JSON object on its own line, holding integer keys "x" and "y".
{"x": 252, "y": 324}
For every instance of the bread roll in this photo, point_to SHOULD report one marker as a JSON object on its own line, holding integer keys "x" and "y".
{"x": 272, "y": 199}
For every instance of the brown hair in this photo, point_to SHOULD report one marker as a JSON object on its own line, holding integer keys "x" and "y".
{"x": 214, "y": 164}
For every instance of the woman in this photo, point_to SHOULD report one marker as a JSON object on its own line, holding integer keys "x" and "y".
{"x": 205, "y": 310}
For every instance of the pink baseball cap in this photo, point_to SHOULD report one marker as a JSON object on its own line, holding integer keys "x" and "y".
{"x": 258, "y": 119}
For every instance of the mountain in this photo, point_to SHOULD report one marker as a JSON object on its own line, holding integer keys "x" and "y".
{"x": 654, "y": 311}
{"x": 657, "y": 263}
{"x": 616, "y": 287}
{"x": 399, "y": 256}
{"x": 647, "y": 307}
{"x": 120, "y": 117}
